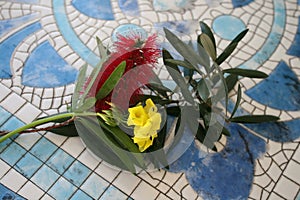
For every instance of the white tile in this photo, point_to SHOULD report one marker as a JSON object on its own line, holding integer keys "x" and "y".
{"x": 162, "y": 197}
{"x": 292, "y": 171}
{"x": 13, "y": 180}
{"x": 4, "y": 91}
{"x": 286, "y": 188}
{"x": 46, "y": 197}
{"x": 145, "y": 191}
{"x": 31, "y": 191}
{"x": 256, "y": 192}
{"x": 274, "y": 196}
{"x": 27, "y": 140}
{"x": 73, "y": 146}
{"x": 189, "y": 193}
{"x": 4, "y": 168}
{"x": 126, "y": 182}
{"x": 28, "y": 113}
{"x": 148, "y": 178}
{"x": 89, "y": 160}
{"x": 163, "y": 187}
{"x": 13, "y": 102}
{"x": 171, "y": 178}
{"x": 107, "y": 172}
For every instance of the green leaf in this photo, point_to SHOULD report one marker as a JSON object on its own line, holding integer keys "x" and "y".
{"x": 185, "y": 50}
{"x": 159, "y": 88}
{"x": 254, "y": 119}
{"x": 238, "y": 101}
{"x": 87, "y": 104}
{"x": 111, "y": 81}
{"x": 208, "y": 45}
{"x": 225, "y": 131}
{"x": 204, "y": 89}
{"x": 206, "y": 29}
{"x": 246, "y": 73}
{"x": 181, "y": 63}
{"x": 67, "y": 130}
{"x": 81, "y": 79}
{"x": 230, "y": 48}
{"x": 180, "y": 81}
{"x": 102, "y": 50}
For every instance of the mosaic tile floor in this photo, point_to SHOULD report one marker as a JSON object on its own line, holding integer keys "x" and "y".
{"x": 44, "y": 43}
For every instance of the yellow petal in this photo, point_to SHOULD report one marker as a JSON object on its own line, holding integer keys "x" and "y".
{"x": 150, "y": 107}
{"x": 137, "y": 116}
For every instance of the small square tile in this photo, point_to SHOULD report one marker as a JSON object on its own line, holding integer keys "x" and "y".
{"x": 62, "y": 189}
{"x": 4, "y": 115}
{"x": 31, "y": 191}
{"x": 43, "y": 149}
{"x": 12, "y": 124}
{"x": 286, "y": 188}
{"x": 5, "y": 144}
{"x": 12, "y": 153}
{"x": 27, "y": 140}
{"x": 292, "y": 171}
{"x": 28, "y": 113}
{"x": 60, "y": 161}
{"x": 107, "y": 172}
{"x": 87, "y": 159}
{"x": 127, "y": 182}
{"x": 77, "y": 173}
{"x": 73, "y": 146}
{"x": 145, "y": 191}
{"x": 80, "y": 195}
{"x": 28, "y": 165}
{"x": 13, "y": 180}
{"x": 94, "y": 186}
{"x": 45, "y": 177}
{"x": 17, "y": 102}
{"x": 4, "y": 168}
{"x": 113, "y": 193}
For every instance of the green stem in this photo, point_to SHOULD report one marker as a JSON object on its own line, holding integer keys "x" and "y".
{"x": 37, "y": 123}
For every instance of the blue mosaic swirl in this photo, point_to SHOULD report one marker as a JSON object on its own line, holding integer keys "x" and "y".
{"x": 8, "y": 46}
{"x": 283, "y": 83}
{"x": 241, "y": 3}
{"x": 47, "y": 71}
{"x": 129, "y": 7}
{"x": 218, "y": 175}
{"x": 294, "y": 50}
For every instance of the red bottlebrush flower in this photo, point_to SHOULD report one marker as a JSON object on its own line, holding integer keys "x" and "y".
{"x": 136, "y": 52}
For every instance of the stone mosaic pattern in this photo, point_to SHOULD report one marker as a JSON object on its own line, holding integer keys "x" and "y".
{"x": 47, "y": 166}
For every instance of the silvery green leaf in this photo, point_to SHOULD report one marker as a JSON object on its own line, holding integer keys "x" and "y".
{"x": 208, "y": 46}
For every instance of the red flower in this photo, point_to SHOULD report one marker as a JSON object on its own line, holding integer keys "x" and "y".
{"x": 136, "y": 52}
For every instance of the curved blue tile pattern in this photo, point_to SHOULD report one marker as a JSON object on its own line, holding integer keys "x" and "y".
{"x": 273, "y": 40}
{"x": 127, "y": 29}
{"x": 95, "y": 8}
{"x": 70, "y": 36}
{"x": 226, "y": 25}
{"x": 47, "y": 71}
{"x": 6, "y": 194}
{"x": 240, "y": 3}
{"x": 7, "y": 48}
{"x": 294, "y": 50}
{"x": 218, "y": 175}
{"x": 185, "y": 26}
{"x": 283, "y": 83}
{"x": 129, "y": 7}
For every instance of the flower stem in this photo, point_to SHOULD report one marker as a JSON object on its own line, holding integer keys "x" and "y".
{"x": 36, "y": 123}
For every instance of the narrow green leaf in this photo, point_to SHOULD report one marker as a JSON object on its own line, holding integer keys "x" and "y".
{"x": 185, "y": 50}
{"x": 159, "y": 88}
{"x": 88, "y": 103}
{"x": 111, "y": 81}
{"x": 206, "y": 29}
{"x": 225, "y": 131}
{"x": 101, "y": 48}
{"x": 181, "y": 63}
{"x": 79, "y": 85}
{"x": 254, "y": 119}
{"x": 208, "y": 45}
{"x": 246, "y": 73}
{"x": 180, "y": 81}
{"x": 67, "y": 130}
{"x": 204, "y": 89}
{"x": 230, "y": 48}
{"x": 238, "y": 101}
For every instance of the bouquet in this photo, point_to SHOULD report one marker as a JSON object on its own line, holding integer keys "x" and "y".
{"x": 129, "y": 117}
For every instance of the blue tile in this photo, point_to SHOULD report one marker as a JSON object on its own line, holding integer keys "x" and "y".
{"x": 164, "y": 5}
{"x": 69, "y": 35}
{"x": 4, "y": 115}
{"x": 240, "y": 3}
{"x": 95, "y": 186}
{"x": 185, "y": 26}
{"x": 7, "y": 194}
{"x": 12, "y": 153}
{"x": 80, "y": 195}
{"x": 4, "y": 144}
{"x": 62, "y": 189}
{"x": 12, "y": 123}
{"x": 113, "y": 193}
{"x": 95, "y": 9}
{"x": 28, "y": 165}
{"x": 47, "y": 72}
{"x": 227, "y": 26}
{"x": 294, "y": 50}
{"x": 7, "y": 48}
{"x": 43, "y": 149}
{"x": 283, "y": 83}
{"x": 218, "y": 175}
{"x": 77, "y": 173}
{"x": 60, "y": 161}
{"x": 45, "y": 177}
{"x": 129, "y": 7}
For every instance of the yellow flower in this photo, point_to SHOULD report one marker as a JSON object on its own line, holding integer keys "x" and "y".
{"x": 146, "y": 121}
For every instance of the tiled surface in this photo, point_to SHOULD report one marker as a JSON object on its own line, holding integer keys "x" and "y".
{"x": 47, "y": 166}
